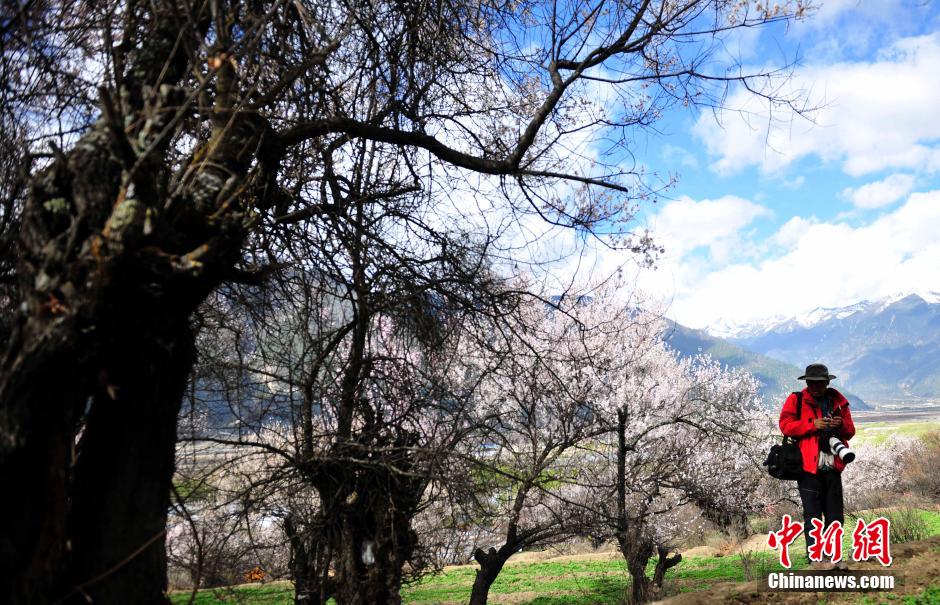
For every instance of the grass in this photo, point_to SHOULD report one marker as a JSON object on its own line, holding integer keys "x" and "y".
{"x": 568, "y": 582}
{"x": 595, "y": 581}
{"x": 280, "y": 593}
{"x": 580, "y": 582}
{"x": 932, "y": 519}
{"x": 928, "y": 596}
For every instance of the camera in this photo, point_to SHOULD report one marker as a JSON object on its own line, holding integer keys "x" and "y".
{"x": 841, "y": 450}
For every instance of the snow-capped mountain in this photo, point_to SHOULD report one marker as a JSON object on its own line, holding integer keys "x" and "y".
{"x": 887, "y": 349}
{"x": 728, "y": 328}
{"x": 782, "y": 324}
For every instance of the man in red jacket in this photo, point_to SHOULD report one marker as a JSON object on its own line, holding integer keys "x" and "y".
{"x": 824, "y": 414}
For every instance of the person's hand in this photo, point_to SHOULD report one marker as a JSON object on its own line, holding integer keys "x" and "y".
{"x": 835, "y": 422}
{"x": 821, "y": 424}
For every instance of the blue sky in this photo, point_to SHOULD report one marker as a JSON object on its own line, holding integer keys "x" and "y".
{"x": 780, "y": 216}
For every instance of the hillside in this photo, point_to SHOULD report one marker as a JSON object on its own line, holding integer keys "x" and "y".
{"x": 777, "y": 377}
{"x": 889, "y": 351}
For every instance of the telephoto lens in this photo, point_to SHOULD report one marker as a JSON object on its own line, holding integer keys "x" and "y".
{"x": 841, "y": 450}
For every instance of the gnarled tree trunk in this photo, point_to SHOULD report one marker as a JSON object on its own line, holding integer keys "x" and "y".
{"x": 93, "y": 456}
{"x": 663, "y": 563}
{"x": 309, "y": 563}
{"x": 637, "y": 548}
{"x": 113, "y": 261}
{"x": 367, "y": 513}
{"x": 41, "y": 401}
{"x": 125, "y": 462}
{"x": 637, "y": 551}
{"x": 491, "y": 563}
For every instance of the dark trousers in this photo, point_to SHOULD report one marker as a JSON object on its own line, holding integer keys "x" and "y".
{"x": 822, "y": 497}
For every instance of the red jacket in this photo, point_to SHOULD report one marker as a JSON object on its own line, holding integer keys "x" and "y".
{"x": 805, "y": 431}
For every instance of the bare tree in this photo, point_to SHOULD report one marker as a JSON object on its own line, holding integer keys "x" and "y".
{"x": 357, "y": 375}
{"x": 168, "y": 140}
{"x": 227, "y": 523}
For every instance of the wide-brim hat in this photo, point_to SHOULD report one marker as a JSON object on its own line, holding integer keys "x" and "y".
{"x": 816, "y": 371}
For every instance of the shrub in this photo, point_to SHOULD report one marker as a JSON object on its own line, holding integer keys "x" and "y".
{"x": 761, "y": 525}
{"x": 907, "y": 524}
{"x": 877, "y": 478}
{"x": 727, "y": 545}
{"x": 920, "y": 475}
{"x": 755, "y": 566}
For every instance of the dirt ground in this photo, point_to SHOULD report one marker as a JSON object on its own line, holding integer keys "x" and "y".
{"x": 916, "y": 566}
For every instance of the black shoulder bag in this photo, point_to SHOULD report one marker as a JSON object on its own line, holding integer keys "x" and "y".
{"x": 785, "y": 461}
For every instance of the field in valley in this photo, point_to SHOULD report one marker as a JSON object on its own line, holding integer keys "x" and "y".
{"x": 875, "y": 427}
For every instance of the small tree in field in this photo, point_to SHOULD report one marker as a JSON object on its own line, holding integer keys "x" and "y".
{"x": 537, "y": 412}
{"x": 881, "y": 472}
{"x": 673, "y": 422}
{"x": 227, "y": 523}
{"x": 358, "y": 386}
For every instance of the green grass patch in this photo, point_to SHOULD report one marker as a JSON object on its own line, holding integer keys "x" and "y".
{"x": 927, "y": 596}
{"x": 280, "y": 593}
{"x": 191, "y": 490}
{"x": 550, "y": 583}
{"x": 932, "y": 518}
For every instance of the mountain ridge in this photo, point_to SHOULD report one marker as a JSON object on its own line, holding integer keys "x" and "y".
{"x": 777, "y": 378}
{"x": 887, "y": 350}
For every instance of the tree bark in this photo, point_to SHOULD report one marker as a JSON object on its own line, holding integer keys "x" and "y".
{"x": 491, "y": 563}
{"x": 637, "y": 551}
{"x": 634, "y": 546}
{"x": 90, "y": 387}
{"x": 38, "y": 400}
{"x": 309, "y": 564}
{"x": 93, "y": 376}
{"x": 663, "y": 564}
{"x": 124, "y": 469}
{"x": 377, "y": 540}
{"x": 94, "y": 487}
{"x": 366, "y": 515}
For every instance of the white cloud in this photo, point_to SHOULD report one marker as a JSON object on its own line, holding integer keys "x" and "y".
{"x": 685, "y": 224}
{"x": 874, "y": 116}
{"x": 823, "y": 264}
{"x": 829, "y": 10}
{"x": 697, "y": 235}
{"x": 880, "y": 193}
{"x": 791, "y": 231}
